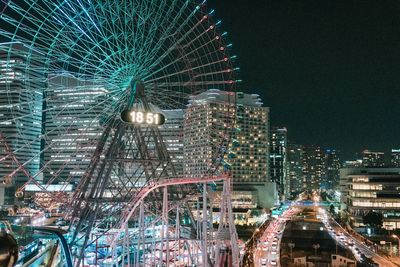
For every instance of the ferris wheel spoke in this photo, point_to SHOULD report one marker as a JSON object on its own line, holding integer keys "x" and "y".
{"x": 194, "y": 50}
{"x": 188, "y": 70}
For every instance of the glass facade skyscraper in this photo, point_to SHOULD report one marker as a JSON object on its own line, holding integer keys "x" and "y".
{"x": 72, "y": 127}
{"x": 278, "y": 159}
{"x": 21, "y": 90}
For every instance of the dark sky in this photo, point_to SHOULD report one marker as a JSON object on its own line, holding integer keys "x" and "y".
{"x": 328, "y": 69}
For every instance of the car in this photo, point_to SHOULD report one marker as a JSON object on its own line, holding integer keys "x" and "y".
{"x": 273, "y": 251}
{"x": 263, "y": 262}
{"x": 273, "y": 263}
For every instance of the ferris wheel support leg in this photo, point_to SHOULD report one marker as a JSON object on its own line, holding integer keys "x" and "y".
{"x": 165, "y": 222}
{"x": 204, "y": 241}
{"x": 141, "y": 241}
{"x": 177, "y": 234}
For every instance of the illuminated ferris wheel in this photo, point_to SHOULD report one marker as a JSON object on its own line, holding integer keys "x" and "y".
{"x": 68, "y": 67}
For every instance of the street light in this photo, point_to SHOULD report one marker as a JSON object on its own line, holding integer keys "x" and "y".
{"x": 291, "y": 246}
{"x": 398, "y": 244}
{"x": 315, "y": 247}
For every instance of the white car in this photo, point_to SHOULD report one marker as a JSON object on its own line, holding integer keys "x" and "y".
{"x": 273, "y": 263}
{"x": 263, "y": 262}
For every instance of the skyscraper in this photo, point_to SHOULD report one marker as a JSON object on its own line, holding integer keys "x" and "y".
{"x": 21, "y": 90}
{"x": 395, "y": 158}
{"x": 72, "y": 127}
{"x": 313, "y": 167}
{"x": 278, "y": 159}
{"x": 294, "y": 172}
{"x": 373, "y": 159}
{"x": 333, "y": 165}
{"x": 210, "y": 115}
{"x": 172, "y": 134}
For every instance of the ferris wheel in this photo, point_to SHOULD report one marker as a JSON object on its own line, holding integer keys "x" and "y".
{"x": 68, "y": 68}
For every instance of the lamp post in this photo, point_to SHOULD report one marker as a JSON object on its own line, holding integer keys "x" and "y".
{"x": 315, "y": 247}
{"x": 291, "y": 246}
{"x": 398, "y": 244}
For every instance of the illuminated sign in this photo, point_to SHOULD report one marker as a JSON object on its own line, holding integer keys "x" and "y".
{"x": 139, "y": 117}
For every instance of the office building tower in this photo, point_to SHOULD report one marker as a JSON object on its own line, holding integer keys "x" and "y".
{"x": 313, "y": 167}
{"x": 172, "y": 134}
{"x": 278, "y": 159}
{"x": 294, "y": 172}
{"x": 364, "y": 190}
{"x": 209, "y": 116}
{"x": 373, "y": 159}
{"x": 72, "y": 127}
{"x": 333, "y": 166}
{"x": 395, "y": 158}
{"x": 21, "y": 90}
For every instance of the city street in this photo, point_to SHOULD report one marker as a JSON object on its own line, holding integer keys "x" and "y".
{"x": 268, "y": 246}
{"x": 342, "y": 237}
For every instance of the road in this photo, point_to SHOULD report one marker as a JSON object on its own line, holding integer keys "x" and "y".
{"x": 267, "y": 250}
{"x": 342, "y": 237}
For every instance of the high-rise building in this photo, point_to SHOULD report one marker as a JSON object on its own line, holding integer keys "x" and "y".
{"x": 278, "y": 159}
{"x": 333, "y": 165}
{"x": 172, "y": 134}
{"x": 395, "y": 158}
{"x": 371, "y": 189}
{"x": 373, "y": 159}
{"x": 21, "y": 90}
{"x": 294, "y": 172}
{"x": 72, "y": 127}
{"x": 209, "y": 116}
{"x": 357, "y": 163}
{"x": 313, "y": 167}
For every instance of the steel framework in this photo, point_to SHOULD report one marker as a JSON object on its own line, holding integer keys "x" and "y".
{"x": 69, "y": 68}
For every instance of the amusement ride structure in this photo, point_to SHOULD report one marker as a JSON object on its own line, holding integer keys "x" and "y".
{"x": 84, "y": 88}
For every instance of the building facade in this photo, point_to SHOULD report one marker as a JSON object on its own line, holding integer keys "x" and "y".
{"x": 172, "y": 134}
{"x": 278, "y": 160}
{"x": 294, "y": 174}
{"x": 371, "y": 189}
{"x": 72, "y": 127}
{"x": 209, "y": 117}
{"x": 21, "y": 90}
{"x": 333, "y": 165}
{"x": 373, "y": 159}
{"x": 395, "y": 158}
{"x": 313, "y": 167}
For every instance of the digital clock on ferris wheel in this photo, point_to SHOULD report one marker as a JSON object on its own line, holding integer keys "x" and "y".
{"x": 140, "y": 117}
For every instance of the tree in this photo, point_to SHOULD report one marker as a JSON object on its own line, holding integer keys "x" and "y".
{"x": 373, "y": 219}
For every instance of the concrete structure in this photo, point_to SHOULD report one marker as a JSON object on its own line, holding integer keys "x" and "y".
{"x": 340, "y": 261}
{"x": 21, "y": 90}
{"x": 371, "y": 189}
{"x": 294, "y": 172}
{"x": 373, "y": 159}
{"x": 209, "y": 118}
{"x": 278, "y": 160}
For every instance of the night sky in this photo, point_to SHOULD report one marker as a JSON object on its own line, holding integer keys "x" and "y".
{"x": 328, "y": 69}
